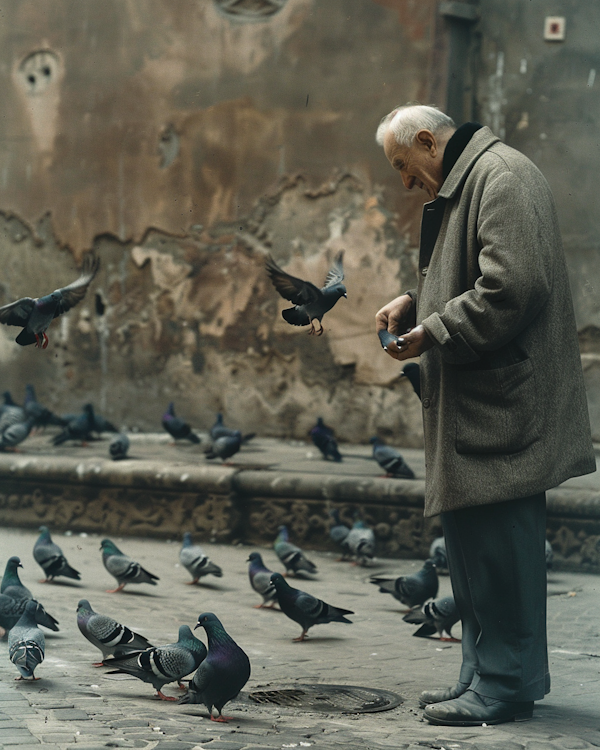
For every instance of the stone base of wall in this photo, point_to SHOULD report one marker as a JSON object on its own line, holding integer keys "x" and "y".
{"x": 235, "y": 505}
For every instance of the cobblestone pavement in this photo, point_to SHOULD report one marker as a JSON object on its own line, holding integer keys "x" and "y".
{"x": 75, "y": 705}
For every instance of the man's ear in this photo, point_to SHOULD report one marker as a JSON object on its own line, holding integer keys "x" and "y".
{"x": 427, "y": 139}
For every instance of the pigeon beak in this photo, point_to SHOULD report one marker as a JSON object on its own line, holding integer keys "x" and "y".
{"x": 20, "y": 565}
{"x": 345, "y": 295}
{"x": 197, "y": 625}
{"x": 402, "y": 375}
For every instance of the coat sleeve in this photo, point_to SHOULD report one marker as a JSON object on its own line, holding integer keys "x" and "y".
{"x": 516, "y": 241}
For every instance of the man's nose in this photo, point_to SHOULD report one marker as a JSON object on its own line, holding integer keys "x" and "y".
{"x": 407, "y": 180}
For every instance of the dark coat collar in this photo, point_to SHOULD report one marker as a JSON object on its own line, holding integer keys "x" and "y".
{"x": 480, "y": 142}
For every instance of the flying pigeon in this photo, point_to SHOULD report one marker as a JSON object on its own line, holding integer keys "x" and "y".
{"x": 35, "y": 315}
{"x": 225, "y": 447}
{"x": 304, "y": 608}
{"x": 390, "y": 460}
{"x": 324, "y": 438}
{"x": 160, "y": 665}
{"x": 195, "y": 561}
{"x": 176, "y": 427}
{"x": 291, "y": 556}
{"x": 107, "y": 634}
{"x": 123, "y": 568}
{"x": 15, "y": 434}
{"x": 437, "y": 552}
{"x": 260, "y": 580}
{"x": 26, "y": 644}
{"x": 50, "y": 558}
{"x": 311, "y": 303}
{"x": 41, "y": 415}
{"x": 12, "y": 609}
{"x": 338, "y": 532}
{"x": 78, "y": 428}
{"x": 412, "y": 590}
{"x": 361, "y": 541}
{"x": 222, "y": 674}
{"x": 436, "y": 616}
{"x": 11, "y": 583}
{"x": 412, "y": 371}
{"x": 218, "y": 430}
{"x": 119, "y": 447}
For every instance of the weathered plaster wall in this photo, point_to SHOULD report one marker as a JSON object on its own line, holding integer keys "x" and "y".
{"x": 183, "y": 145}
{"x": 543, "y": 98}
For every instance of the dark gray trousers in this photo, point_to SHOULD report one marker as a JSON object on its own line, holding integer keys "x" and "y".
{"x": 497, "y": 566}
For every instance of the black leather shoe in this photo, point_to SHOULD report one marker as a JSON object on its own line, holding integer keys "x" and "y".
{"x": 428, "y": 697}
{"x": 472, "y": 709}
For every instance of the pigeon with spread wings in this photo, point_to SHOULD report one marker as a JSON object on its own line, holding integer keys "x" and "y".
{"x": 311, "y": 303}
{"x": 35, "y": 315}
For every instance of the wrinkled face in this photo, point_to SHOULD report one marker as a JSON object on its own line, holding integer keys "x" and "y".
{"x": 420, "y": 164}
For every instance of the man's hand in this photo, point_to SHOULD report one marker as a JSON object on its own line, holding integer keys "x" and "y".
{"x": 411, "y": 344}
{"x": 397, "y": 317}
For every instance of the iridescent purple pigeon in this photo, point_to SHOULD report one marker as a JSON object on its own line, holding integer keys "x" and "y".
{"x": 34, "y": 315}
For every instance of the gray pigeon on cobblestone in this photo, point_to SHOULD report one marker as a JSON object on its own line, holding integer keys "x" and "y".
{"x": 50, "y": 558}
{"x": 11, "y": 583}
{"x": 437, "y": 552}
{"x": 260, "y": 580}
{"x": 338, "y": 532}
{"x": 35, "y": 315}
{"x": 222, "y": 674}
{"x": 107, "y": 634}
{"x": 26, "y": 644}
{"x": 361, "y": 542}
{"x": 412, "y": 590}
{"x": 195, "y": 561}
{"x": 310, "y": 302}
{"x": 160, "y": 665}
{"x": 123, "y": 568}
{"x": 291, "y": 556}
{"x": 438, "y": 616}
{"x": 304, "y": 608}
{"x": 12, "y": 609}
{"x": 390, "y": 460}
{"x": 118, "y": 447}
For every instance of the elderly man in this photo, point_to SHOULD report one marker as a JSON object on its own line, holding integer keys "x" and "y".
{"x": 504, "y": 408}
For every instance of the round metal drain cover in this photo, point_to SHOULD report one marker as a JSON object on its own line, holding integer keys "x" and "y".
{"x": 344, "y": 699}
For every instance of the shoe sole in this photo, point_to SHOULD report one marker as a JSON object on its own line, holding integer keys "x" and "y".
{"x": 524, "y": 716}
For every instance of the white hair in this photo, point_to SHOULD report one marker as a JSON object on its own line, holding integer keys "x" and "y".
{"x": 406, "y": 121}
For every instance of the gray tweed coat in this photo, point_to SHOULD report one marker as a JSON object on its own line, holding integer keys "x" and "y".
{"x": 504, "y": 407}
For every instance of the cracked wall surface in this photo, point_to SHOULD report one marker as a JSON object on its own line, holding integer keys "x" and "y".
{"x": 183, "y": 142}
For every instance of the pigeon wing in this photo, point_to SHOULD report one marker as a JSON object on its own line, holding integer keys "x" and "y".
{"x": 17, "y": 313}
{"x": 336, "y": 272}
{"x": 295, "y": 290}
{"x": 76, "y": 290}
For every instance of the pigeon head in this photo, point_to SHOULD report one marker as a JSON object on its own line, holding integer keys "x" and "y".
{"x": 187, "y": 539}
{"x": 279, "y": 581}
{"x": 255, "y": 557}
{"x": 219, "y": 419}
{"x": 49, "y": 302}
{"x": 44, "y": 534}
{"x": 84, "y": 606}
{"x": 29, "y": 393}
{"x": 283, "y": 532}
{"x": 13, "y": 563}
{"x": 184, "y": 633}
{"x": 375, "y": 440}
{"x": 109, "y": 547}
{"x": 89, "y": 410}
{"x": 429, "y": 564}
{"x": 8, "y": 399}
{"x": 171, "y": 409}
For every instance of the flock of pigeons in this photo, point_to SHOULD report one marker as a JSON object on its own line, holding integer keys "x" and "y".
{"x": 222, "y": 668}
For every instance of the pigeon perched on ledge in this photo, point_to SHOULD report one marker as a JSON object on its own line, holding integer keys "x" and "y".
{"x": 50, "y": 558}
{"x": 311, "y": 303}
{"x": 390, "y": 460}
{"x": 78, "y": 428}
{"x": 225, "y": 447}
{"x": 324, "y": 439}
{"x": 176, "y": 427}
{"x": 218, "y": 430}
{"x": 35, "y": 315}
{"x": 223, "y": 673}
{"x": 118, "y": 447}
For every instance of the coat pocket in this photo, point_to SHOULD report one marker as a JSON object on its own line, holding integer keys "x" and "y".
{"x": 496, "y": 409}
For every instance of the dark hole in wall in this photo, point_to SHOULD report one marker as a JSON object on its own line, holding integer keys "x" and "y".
{"x": 100, "y": 306}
